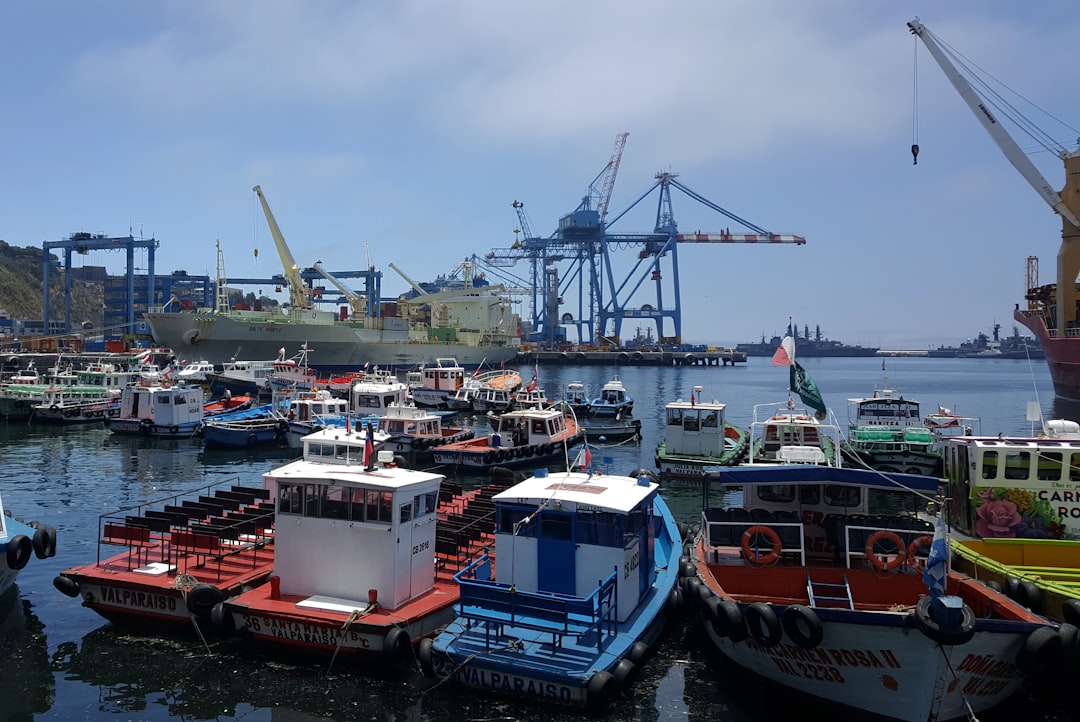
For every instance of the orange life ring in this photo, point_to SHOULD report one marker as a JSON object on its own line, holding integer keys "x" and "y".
{"x": 914, "y": 561}
{"x": 878, "y": 562}
{"x": 751, "y": 554}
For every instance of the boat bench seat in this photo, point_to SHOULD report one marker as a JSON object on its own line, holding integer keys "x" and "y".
{"x": 529, "y": 611}
{"x": 127, "y": 535}
{"x": 195, "y": 542}
{"x": 220, "y": 503}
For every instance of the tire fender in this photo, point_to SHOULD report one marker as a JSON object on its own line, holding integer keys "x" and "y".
{"x": 19, "y": 549}
{"x": 763, "y": 624}
{"x": 795, "y": 618}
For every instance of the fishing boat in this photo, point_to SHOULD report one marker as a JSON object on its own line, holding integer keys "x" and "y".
{"x": 167, "y": 410}
{"x": 19, "y": 542}
{"x": 437, "y": 382}
{"x": 398, "y": 535}
{"x": 886, "y": 432}
{"x": 472, "y": 322}
{"x": 611, "y": 431}
{"x": 782, "y": 433}
{"x": 21, "y": 392}
{"x": 803, "y": 586}
{"x": 1015, "y": 510}
{"x": 503, "y": 380}
{"x": 250, "y": 378}
{"x": 698, "y": 442}
{"x": 374, "y": 393}
{"x": 576, "y": 397}
{"x": 264, "y": 429}
{"x": 194, "y": 372}
{"x": 63, "y": 405}
{"x": 612, "y": 401}
{"x": 415, "y": 433}
{"x": 523, "y": 437}
{"x": 183, "y": 555}
{"x": 294, "y": 373}
{"x": 585, "y": 582}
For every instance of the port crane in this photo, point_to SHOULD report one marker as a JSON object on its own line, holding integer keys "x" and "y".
{"x": 299, "y": 292}
{"x": 1066, "y": 203}
{"x": 359, "y": 305}
{"x": 579, "y": 260}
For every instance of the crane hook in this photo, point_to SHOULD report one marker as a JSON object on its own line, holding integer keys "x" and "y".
{"x": 915, "y": 154}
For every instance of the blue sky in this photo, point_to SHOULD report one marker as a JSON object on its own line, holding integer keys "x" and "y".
{"x": 407, "y": 129}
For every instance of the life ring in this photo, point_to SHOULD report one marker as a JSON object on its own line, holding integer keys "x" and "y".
{"x": 44, "y": 542}
{"x": 879, "y": 562}
{"x": 202, "y": 598}
{"x": 795, "y": 618}
{"x": 66, "y": 585}
{"x": 600, "y": 690}
{"x": 751, "y": 549}
{"x": 933, "y": 631}
{"x": 398, "y": 647}
{"x": 763, "y": 624}
{"x": 19, "y": 549}
{"x": 913, "y": 559}
{"x": 1041, "y": 647}
{"x": 426, "y": 655}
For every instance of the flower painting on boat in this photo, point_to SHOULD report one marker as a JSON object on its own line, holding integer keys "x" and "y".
{"x": 1002, "y": 512}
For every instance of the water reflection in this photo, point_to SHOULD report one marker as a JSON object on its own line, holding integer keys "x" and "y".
{"x": 26, "y": 682}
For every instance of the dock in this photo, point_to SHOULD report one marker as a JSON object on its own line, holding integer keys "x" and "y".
{"x": 709, "y": 357}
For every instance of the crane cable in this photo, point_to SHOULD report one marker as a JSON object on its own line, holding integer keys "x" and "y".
{"x": 915, "y": 106}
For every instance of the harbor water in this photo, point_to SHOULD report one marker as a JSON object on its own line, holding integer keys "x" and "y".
{"x": 61, "y": 661}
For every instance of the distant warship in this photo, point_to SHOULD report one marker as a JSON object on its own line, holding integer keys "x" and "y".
{"x": 807, "y": 346}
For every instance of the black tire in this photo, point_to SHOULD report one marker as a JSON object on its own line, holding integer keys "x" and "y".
{"x": 174, "y": 429}
{"x": 729, "y": 621}
{"x": 624, "y": 669}
{"x": 638, "y": 652}
{"x": 933, "y": 631}
{"x": 600, "y": 691}
{"x": 687, "y": 568}
{"x": 1040, "y": 648}
{"x": 676, "y": 601}
{"x": 798, "y": 616}
{"x": 401, "y": 461}
{"x": 995, "y": 585}
{"x": 66, "y": 585}
{"x": 252, "y": 440}
{"x": 41, "y": 542}
{"x": 763, "y": 624}
{"x": 398, "y": 648}
{"x": 202, "y": 598}
{"x": 1032, "y": 597}
{"x": 1070, "y": 611}
{"x": 426, "y": 654}
{"x": 489, "y": 457}
{"x": 19, "y": 549}
{"x": 222, "y": 620}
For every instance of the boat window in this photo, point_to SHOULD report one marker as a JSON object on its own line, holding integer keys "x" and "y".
{"x": 1074, "y": 468}
{"x": 1017, "y": 464}
{"x": 691, "y": 421}
{"x": 674, "y": 417}
{"x": 334, "y": 503}
{"x": 990, "y": 465}
{"x": 783, "y": 493}
{"x": 379, "y": 506}
{"x": 357, "y": 511}
{"x": 556, "y": 526}
{"x": 710, "y": 420}
{"x": 511, "y": 516}
{"x": 810, "y": 494}
{"x": 1049, "y": 466}
{"x": 289, "y": 496}
{"x": 841, "y": 495}
{"x": 425, "y": 503}
{"x": 311, "y": 499}
{"x": 405, "y": 512}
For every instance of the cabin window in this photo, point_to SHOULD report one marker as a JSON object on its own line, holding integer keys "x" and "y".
{"x": 367, "y": 402}
{"x": 841, "y": 495}
{"x": 311, "y": 499}
{"x": 425, "y": 503}
{"x": 180, "y": 400}
{"x": 1017, "y": 464}
{"x": 1074, "y": 468}
{"x": 691, "y": 422}
{"x": 512, "y": 521}
{"x": 990, "y": 465}
{"x": 1049, "y": 466}
{"x": 710, "y": 420}
{"x": 558, "y": 527}
{"x": 810, "y": 494}
{"x": 161, "y": 400}
{"x": 405, "y": 512}
{"x": 379, "y": 506}
{"x": 674, "y": 417}
{"x": 600, "y": 528}
{"x": 356, "y": 512}
{"x": 334, "y": 503}
{"x": 777, "y": 493}
{"x": 289, "y": 496}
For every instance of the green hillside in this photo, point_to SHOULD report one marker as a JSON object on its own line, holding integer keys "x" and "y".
{"x": 21, "y": 289}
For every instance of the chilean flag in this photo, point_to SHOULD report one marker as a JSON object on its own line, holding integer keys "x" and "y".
{"x": 369, "y": 447}
{"x": 785, "y": 352}
{"x": 584, "y": 457}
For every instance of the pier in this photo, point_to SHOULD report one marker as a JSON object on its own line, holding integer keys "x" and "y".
{"x": 709, "y": 357}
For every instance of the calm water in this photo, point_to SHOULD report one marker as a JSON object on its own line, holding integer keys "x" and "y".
{"x": 61, "y": 661}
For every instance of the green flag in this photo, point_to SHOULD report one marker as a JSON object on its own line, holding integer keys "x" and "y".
{"x": 804, "y": 386}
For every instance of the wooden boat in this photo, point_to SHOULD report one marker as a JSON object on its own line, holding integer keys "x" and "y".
{"x": 19, "y": 542}
{"x": 528, "y": 436}
{"x": 183, "y": 555}
{"x": 611, "y": 432}
{"x": 781, "y": 433}
{"x": 805, "y": 588}
{"x": 399, "y": 535}
{"x": 414, "y": 432}
{"x": 437, "y": 382}
{"x": 1015, "y": 507}
{"x": 698, "y": 442}
{"x": 266, "y": 429}
{"x": 612, "y": 401}
{"x": 585, "y": 582}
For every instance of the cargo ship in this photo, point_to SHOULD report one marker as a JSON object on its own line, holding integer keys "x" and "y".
{"x": 816, "y": 346}
{"x": 473, "y": 323}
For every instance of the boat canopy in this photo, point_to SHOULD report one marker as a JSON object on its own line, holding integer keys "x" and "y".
{"x": 577, "y": 491}
{"x": 806, "y": 474}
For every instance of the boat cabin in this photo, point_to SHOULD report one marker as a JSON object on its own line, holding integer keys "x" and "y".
{"x": 575, "y": 395}
{"x": 884, "y": 410}
{"x": 348, "y": 536}
{"x": 162, "y": 404}
{"x": 404, "y": 420}
{"x": 106, "y": 376}
{"x": 310, "y": 406}
{"x": 1001, "y": 487}
{"x": 526, "y": 426}
{"x": 781, "y": 433}
{"x": 560, "y": 533}
{"x": 694, "y": 427}
{"x": 446, "y": 376}
{"x": 373, "y": 397}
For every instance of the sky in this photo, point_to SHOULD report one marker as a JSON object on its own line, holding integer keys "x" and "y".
{"x": 402, "y": 132}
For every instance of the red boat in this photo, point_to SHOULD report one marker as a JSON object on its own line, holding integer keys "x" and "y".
{"x": 365, "y": 555}
{"x": 183, "y": 556}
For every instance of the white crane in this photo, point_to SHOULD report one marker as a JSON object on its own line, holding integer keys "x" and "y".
{"x": 1066, "y": 203}
{"x": 357, "y": 302}
{"x": 299, "y": 292}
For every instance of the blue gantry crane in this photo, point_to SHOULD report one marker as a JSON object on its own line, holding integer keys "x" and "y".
{"x": 578, "y": 260}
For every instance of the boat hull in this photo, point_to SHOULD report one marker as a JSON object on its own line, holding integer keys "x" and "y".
{"x": 337, "y": 346}
{"x": 1062, "y": 355}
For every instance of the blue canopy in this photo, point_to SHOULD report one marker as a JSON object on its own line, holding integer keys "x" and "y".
{"x": 814, "y": 474}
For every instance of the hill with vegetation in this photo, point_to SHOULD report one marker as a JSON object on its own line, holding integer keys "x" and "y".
{"x": 21, "y": 289}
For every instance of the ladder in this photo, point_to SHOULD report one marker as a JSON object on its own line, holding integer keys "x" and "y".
{"x": 828, "y": 593}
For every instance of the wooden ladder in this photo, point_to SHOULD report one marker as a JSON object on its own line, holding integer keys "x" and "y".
{"x": 828, "y": 593}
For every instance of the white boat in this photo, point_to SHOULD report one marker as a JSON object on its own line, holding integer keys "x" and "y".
{"x": 243, "y": 377}
{"x": 437, "y": 382}
{"x": 292, "y": 373}
{"x": 526, "y": 436}
{"x": 194, "y": 372}
{"x": 782, "y": 433}
{"x": 698, "y": 441}
{"x": 802, "y": 586}
{"x": 612, "y": 401}
{"x": 158, "y": 410}
{"x": 415, "y": 432}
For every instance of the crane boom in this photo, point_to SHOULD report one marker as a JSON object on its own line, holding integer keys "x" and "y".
{"x": 299, "y": 295}
{"x": 357, "y": 302}
{"x": 414, "y": 284}
{"x": 1004, "y": 141}
{"x": 612, "y": 171}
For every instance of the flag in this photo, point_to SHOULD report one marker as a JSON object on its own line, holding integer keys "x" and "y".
{"x": 584, "y": 457}
{"x": 281, "y": 351}
{"x": 804, "y": 386}
{"x": 348, "y": 423}
{"x": 785, "y": 352}
{"x": 369, "y": 447}
{"x": 937, "y": 563}
{"x": 535, "y": 380}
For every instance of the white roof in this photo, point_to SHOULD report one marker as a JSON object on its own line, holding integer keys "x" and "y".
{"x": 619, "y": 494}
{"x": 381, "y": 476}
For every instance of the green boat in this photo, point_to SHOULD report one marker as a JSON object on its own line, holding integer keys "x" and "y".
{"x": 698, "y": 443}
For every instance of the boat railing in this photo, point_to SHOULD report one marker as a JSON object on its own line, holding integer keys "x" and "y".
{"x": 897, "y": 536}
{"x": 729, "y": 528}
{"x": 496, "y": 604}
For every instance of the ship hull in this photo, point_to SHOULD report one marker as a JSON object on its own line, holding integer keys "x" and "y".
{"x": 1062, "y": 356}
{"x": 334, "y": 346}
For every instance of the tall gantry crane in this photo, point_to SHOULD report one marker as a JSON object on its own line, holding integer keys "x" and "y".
{"x": 579, "y": 261}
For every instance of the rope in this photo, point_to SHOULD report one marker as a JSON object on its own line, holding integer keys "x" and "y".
{"x": 184, "y": 582}
{"x": 970, "y": 712}
{"x": 353, "y": 616}
{"x": 514, "y": 644}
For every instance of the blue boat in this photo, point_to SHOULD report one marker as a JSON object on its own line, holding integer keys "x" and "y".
{"x": 20, "y": 541}
{"x": 612, "y": 401}
{"x": 586, "y": 580}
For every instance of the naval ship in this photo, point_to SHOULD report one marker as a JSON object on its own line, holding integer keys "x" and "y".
{"x": 807, "y": 346}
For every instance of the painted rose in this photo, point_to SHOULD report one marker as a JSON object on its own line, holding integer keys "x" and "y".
{"x": 997, "y": 519}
